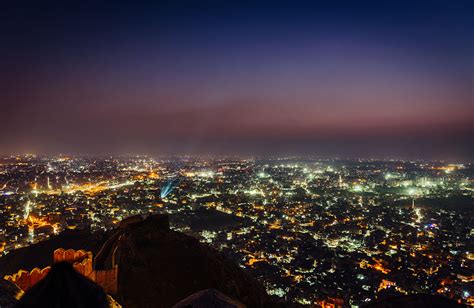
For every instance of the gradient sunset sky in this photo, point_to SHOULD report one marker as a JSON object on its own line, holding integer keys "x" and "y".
{"x": 329, "y": 78}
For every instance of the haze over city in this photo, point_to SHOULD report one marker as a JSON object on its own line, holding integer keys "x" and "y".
{"x": 371, "y": 79}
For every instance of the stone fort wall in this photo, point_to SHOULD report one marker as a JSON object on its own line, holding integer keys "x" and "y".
{"x": 107, "y": 279}
{"x": 26, "y": 279}
{"x": 81, "y": 260}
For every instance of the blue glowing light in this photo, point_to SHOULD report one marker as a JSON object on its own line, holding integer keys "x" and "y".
{"x": 168, "y": 187}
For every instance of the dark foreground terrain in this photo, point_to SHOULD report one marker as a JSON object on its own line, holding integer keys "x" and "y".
{"x": 159, "y": 267}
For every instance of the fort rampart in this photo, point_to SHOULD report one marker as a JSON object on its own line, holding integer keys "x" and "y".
{"x": 81, "y": 260}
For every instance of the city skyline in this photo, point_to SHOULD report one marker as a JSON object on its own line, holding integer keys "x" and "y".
{"x": 311, "y": 232}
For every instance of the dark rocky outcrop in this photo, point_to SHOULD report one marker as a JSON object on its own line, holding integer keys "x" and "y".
{"x": 64, "y": 287}
{"x": 209, "y": 298}
{"x": 159, "y": 267}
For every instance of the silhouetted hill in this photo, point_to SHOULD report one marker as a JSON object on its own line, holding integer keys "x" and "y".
{"x": 159, "y": 267}
{"x": 207, "y": 299}
{"x": 64, "y": 287}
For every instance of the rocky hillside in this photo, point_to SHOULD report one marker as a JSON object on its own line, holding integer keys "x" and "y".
{"x": 159, "y": 267}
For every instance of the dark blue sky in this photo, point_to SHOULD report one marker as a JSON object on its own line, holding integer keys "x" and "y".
{"x": 321, "y": 77}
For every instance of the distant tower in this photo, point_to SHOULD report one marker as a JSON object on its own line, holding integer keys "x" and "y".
{"x": 413, "y": 203}
{"x": 340, "y": 181}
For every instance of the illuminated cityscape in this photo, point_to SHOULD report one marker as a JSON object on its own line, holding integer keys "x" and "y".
{"x": 309, "y": 229}
{"x": 260, "y": 154}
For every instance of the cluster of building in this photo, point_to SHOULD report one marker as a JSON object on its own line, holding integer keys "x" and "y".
{"x": 313, "y": 231}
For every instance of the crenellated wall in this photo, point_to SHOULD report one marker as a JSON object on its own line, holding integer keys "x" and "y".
{"x": 26, "y": 279}
{"x": 81, "y": 260}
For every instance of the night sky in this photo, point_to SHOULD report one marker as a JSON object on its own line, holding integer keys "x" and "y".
{"x": 324, "y": 78}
